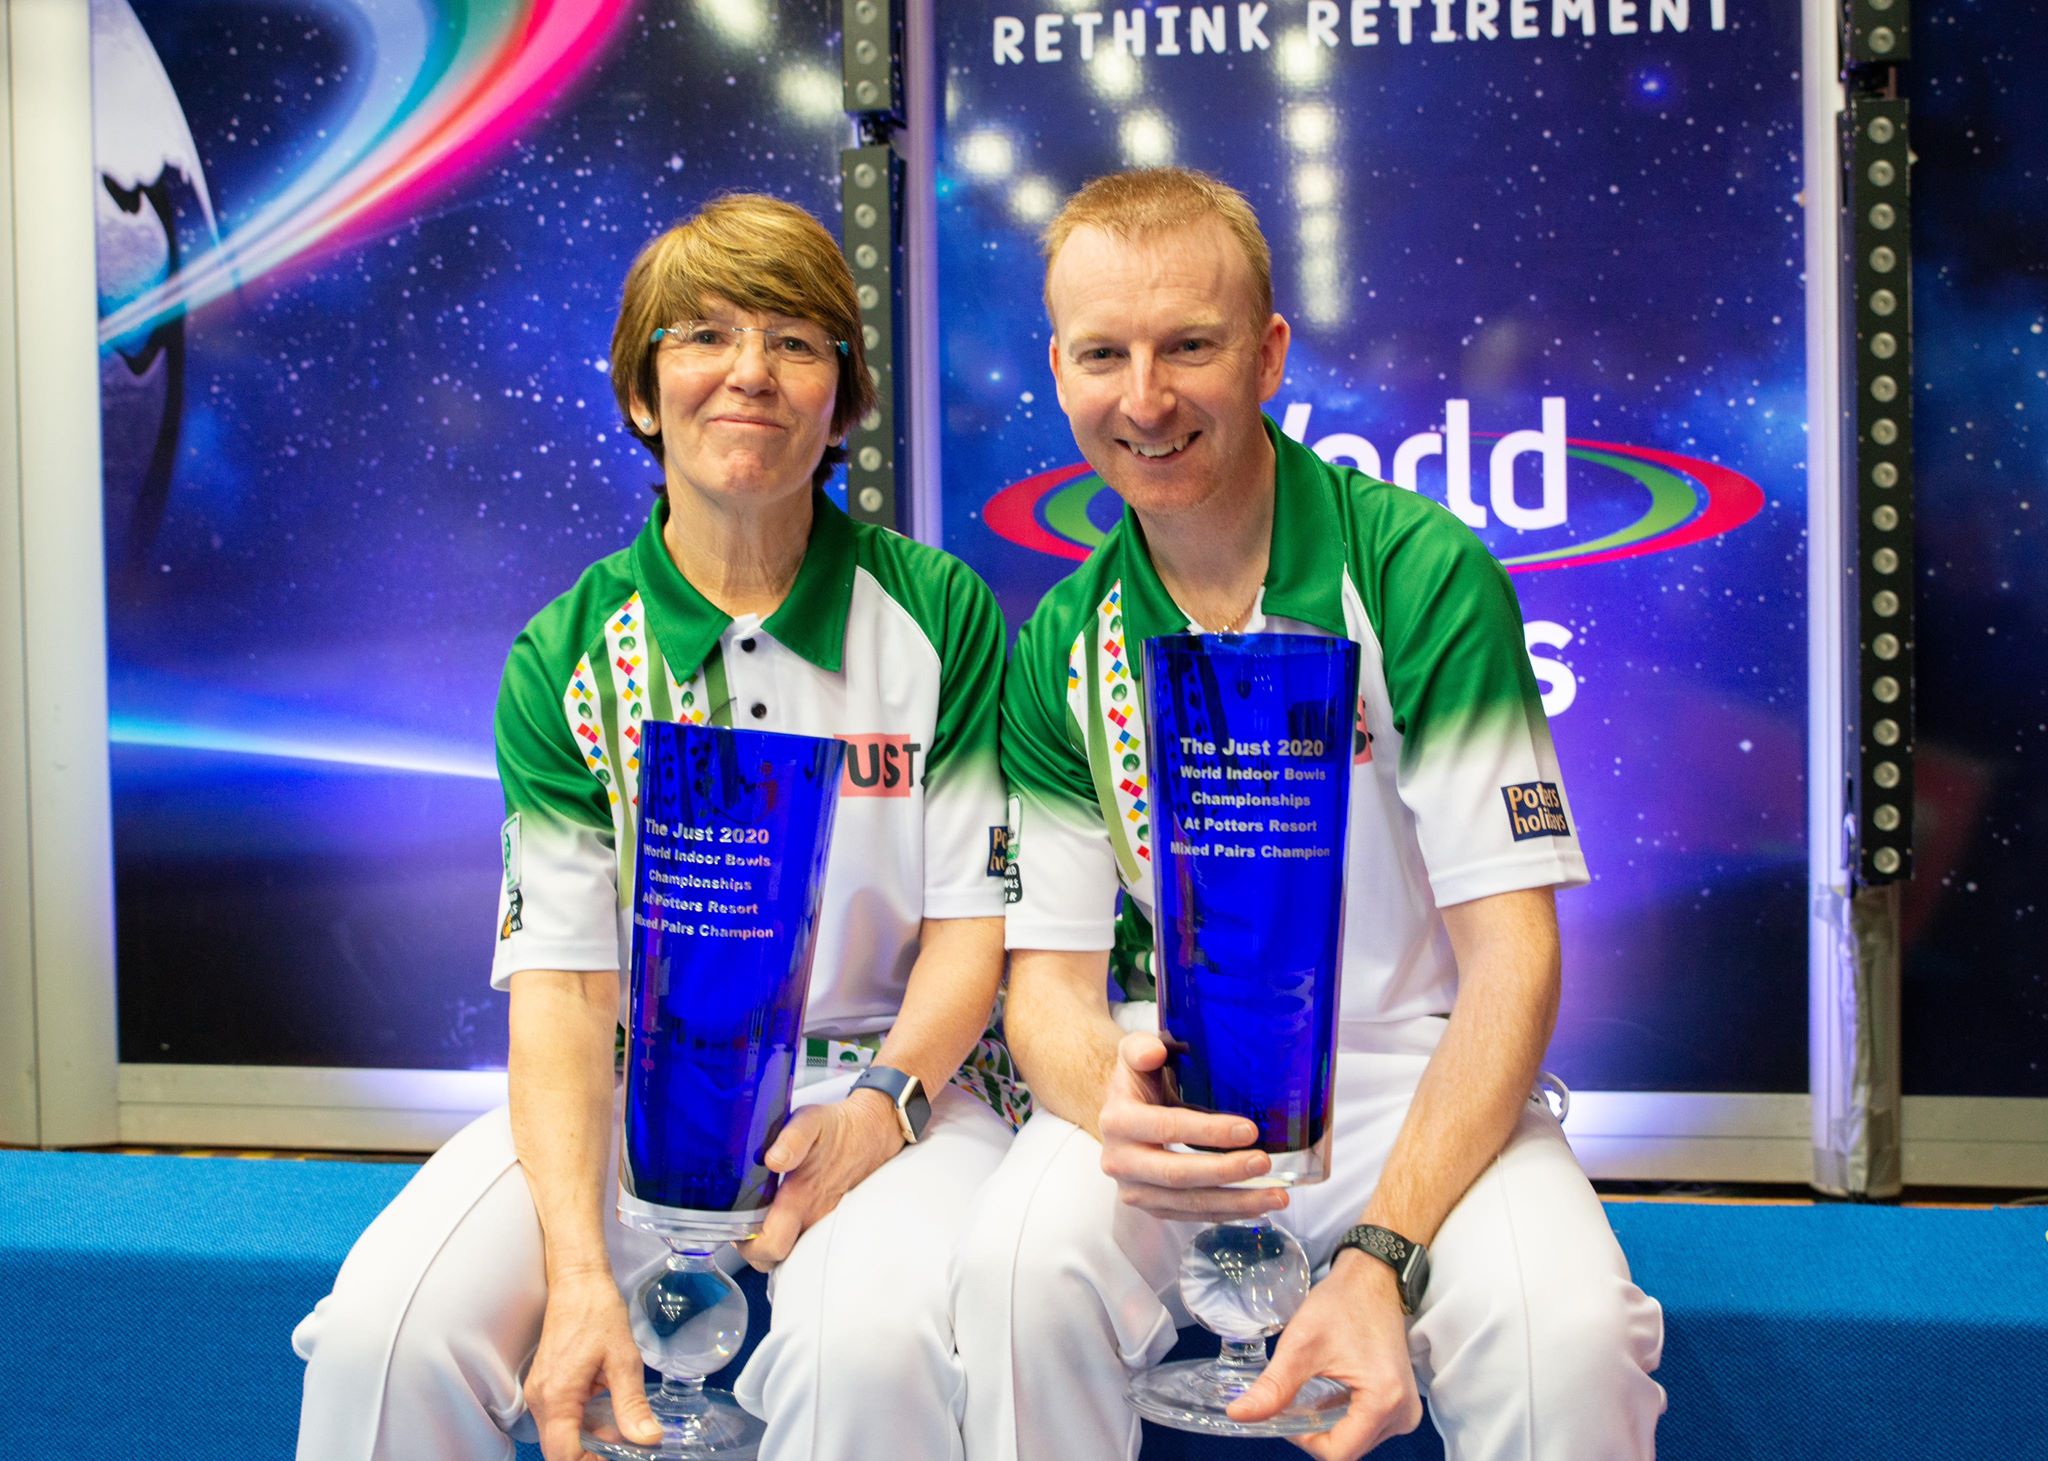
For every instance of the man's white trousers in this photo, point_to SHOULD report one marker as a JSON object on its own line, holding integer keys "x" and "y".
{"x": 422, "y": 1348}
{"x": 1531, "y": 1344}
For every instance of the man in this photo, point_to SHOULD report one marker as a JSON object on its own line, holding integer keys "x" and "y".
{"x": 1529, "y": 1339}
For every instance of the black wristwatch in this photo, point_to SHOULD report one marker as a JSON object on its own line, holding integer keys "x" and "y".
{"x": 905, "y": 1093}
{"x": 1410, "y": 1261}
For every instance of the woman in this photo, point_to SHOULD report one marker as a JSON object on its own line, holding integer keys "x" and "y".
{"x": 750, "y": 600}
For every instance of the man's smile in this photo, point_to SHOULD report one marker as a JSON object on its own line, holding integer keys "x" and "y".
{"x": 1155, "y": 451}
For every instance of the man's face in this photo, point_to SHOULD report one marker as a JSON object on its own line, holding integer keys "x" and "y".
{"x": 1161, "y": 364}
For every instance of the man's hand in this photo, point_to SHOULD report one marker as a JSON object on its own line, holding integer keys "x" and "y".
{"x": 586, "y": 1345}
{"x": 1350, "y": 1328}
{"x": 823, "y": 1153}
{"x": 1177, "y": 1186}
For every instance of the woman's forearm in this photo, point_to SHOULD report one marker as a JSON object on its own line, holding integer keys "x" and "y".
{"x": 948, "y": 1001}
{"x": 561, "y": 1087}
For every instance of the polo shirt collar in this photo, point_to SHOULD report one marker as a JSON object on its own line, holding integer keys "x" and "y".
{"x": 811, "y": 621}
{"x": 1304, "y": 561}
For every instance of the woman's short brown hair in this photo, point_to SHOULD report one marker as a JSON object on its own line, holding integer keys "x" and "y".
{"x": 1148, "y": 201}
{"x": 757, "y": 253}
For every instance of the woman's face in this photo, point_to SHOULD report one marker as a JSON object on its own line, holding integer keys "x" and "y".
{"x": 746, "y": 413}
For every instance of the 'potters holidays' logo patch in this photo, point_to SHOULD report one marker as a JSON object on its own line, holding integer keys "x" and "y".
{"x": 1535, "y": 809}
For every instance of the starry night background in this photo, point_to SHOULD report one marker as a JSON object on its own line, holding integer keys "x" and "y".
{"x": 389, "y": 456}
{"x": 1976, "y": 990}
{"x": 1613, "y": 220}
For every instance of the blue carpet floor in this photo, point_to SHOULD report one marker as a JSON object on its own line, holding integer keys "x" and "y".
{"x": 145, "y": 1304}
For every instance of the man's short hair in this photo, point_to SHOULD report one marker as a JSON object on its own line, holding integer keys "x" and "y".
{"x": 1154, "y": 200}
{"x": 756, "y": 252}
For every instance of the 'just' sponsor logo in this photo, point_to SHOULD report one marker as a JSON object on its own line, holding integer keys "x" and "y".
{"x": 880, "y": 764}
{"x": 1535, "y": 809}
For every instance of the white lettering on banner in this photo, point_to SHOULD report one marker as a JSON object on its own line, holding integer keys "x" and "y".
{"x": 1008, "y": 32}
{"x": 1048, "y": 35}
{"x": 1500, "y": 468}
{"x": 1559, "y": 685}
{"x": 1205, "y": 29}
{"x": 1454, "y": 444}
{"x": 1169, "y": 43}
{"x": 1563, "y": 12}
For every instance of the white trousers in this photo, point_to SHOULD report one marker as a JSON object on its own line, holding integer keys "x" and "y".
{"x": 1531, "y": 1343}
{"x": 422, "y": 1348}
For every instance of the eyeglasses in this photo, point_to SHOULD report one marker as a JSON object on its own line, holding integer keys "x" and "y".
{"x": 708, "y": 342}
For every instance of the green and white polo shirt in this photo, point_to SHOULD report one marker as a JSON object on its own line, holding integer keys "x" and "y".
{"x": 891, "y": 646}
{"x": 1455, "y": 791}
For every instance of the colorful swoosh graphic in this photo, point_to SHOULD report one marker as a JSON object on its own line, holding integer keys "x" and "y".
{"x": 447, "y": 85}
{"x": 1690, "y": 501}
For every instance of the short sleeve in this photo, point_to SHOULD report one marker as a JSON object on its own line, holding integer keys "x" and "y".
{"x": 1063, "y": 876}
{"x": 963, "y": 796}
{"x": 558, "y": 897}
{"x": 1478, "y": 770}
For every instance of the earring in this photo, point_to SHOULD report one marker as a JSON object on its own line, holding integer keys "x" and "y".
{"x": 647, "y": 423}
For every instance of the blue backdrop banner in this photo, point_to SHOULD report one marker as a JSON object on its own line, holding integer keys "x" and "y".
{"x": 1543, "y": 265}
{"x": 1975, "y": 1011}
{"x": 358, "y": 265}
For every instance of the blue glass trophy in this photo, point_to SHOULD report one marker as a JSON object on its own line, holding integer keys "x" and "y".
{"x": 1250, "y": 770}
{"x": 734, "y": 830}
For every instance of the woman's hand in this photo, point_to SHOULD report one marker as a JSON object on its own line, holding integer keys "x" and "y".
{"x": 586, "y": 1345}
{"x": 823, "y": 1153}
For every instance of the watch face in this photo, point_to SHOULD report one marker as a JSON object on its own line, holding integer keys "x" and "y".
{"x": 1414, "y": 1277}
{"x": 917, "y": 1107}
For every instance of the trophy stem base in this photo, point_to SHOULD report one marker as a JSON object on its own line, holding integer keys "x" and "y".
{"x": 695, "y": 1422}
{"x": 1303, "y": 1168}
{"x": 1194, "y": 1395}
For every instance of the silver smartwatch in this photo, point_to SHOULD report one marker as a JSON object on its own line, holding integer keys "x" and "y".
{"x": 905, "y": 1093}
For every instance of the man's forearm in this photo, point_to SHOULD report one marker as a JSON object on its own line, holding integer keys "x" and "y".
{"x": 1478, "y": 1079}
{"x": 561, "y": 1084}
{"x": 1059, "y": 1029}
{"x": 948, "y": 1001}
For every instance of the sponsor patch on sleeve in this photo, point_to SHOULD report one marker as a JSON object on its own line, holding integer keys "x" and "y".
{"x": 1535, "y": 809}
{"x": 508, "y": 851}
{"x": 514, "y": 906}
{"x": 998, "y": 851}
{"x": 1013, "y": 843}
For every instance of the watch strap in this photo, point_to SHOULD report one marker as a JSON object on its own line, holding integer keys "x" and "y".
{"x": 1409, "y": 1260}
{"x": 905, "y": 1092}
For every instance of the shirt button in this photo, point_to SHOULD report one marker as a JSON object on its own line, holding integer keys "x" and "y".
{"x": 757, "y": 710}
{"x": 747, "y": 645}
